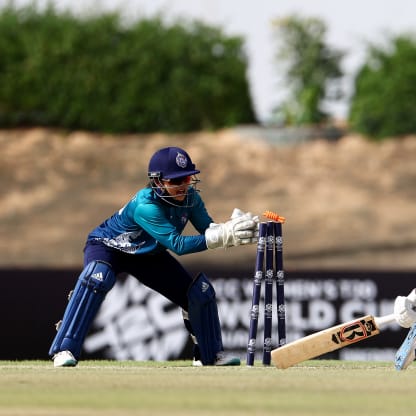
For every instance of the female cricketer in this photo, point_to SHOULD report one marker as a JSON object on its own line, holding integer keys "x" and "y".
{"x": 138, "y": 240}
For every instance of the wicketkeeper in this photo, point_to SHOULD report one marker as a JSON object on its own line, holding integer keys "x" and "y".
{"x": 137, "y": 240}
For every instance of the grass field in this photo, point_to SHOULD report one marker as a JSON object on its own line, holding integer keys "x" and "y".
{"x": 320, "y": 387}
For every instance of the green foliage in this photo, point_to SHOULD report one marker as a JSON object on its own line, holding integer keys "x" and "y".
{"x": 384, "y": 103}
{"x": 311, "y": 66}
{"x": 97, "y": 74}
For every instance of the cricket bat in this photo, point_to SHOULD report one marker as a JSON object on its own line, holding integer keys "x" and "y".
{"x": 328, "y": 340}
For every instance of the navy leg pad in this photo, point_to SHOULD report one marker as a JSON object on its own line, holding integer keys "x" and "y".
{"x": 92, "y": 286}
{"x": 203, "y": 316}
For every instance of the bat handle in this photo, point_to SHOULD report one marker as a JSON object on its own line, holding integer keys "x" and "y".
{"x": 385, "y": 320}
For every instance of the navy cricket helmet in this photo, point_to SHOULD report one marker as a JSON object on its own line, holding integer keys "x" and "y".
{"x": 171, "y": 163}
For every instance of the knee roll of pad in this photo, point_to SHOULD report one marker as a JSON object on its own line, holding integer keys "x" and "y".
{"x": 203, "y": 316}
{"x": 92, "y": 286}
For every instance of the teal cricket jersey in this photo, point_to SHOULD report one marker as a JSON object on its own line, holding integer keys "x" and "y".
{"x": 147, "y": 224}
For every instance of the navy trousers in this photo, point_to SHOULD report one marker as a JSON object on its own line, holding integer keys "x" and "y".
{"x": 160, "y": 272}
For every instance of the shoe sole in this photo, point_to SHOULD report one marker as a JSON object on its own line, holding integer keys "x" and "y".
{"x": 68, "y": 363}
{"x": 406, "y": 353}
{"x": 232, "y": 362}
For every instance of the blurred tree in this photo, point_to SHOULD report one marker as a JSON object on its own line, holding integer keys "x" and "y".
{"x": 95, "y": 72}
{"x": 312, "y": 69}
{"x": 384, "y": 102}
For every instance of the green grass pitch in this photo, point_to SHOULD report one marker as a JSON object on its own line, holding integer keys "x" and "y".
{"x": 319, "y": 387}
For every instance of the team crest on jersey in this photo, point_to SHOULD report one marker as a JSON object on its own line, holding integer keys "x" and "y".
{"x": 181, "y": 160}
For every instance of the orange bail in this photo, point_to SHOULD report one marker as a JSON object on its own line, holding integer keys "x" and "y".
{"x": 273, "y": 216}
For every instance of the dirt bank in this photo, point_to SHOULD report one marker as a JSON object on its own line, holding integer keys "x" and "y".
{"x": 348, "y": 203}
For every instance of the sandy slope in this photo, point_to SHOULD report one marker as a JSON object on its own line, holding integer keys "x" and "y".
{"x": 349, "y": 204}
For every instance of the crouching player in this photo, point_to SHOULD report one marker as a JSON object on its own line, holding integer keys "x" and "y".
{"x": 137, "y": 240}
{"x": 405, "y": 314}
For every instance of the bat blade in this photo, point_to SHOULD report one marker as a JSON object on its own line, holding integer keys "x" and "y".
{"x": 328, "y": 340}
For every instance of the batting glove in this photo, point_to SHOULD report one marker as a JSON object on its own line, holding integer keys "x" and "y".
{"x": 405, "y": 309}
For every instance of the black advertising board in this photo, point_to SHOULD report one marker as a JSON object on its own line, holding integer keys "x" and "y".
{"x": 135, "y": 323}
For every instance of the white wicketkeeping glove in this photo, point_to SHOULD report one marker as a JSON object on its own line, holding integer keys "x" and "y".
{"x": 405, "y": 309}
{"x": 238, "y": 213}
{"x": 239, "y": 230}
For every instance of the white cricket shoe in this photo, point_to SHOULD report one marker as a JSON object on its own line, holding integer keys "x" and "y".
{"x": 197, "y": 363}
{"x": 222, "y": 359}
{"x": 64, "y": 359}
{"x": 406, "y": 353}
